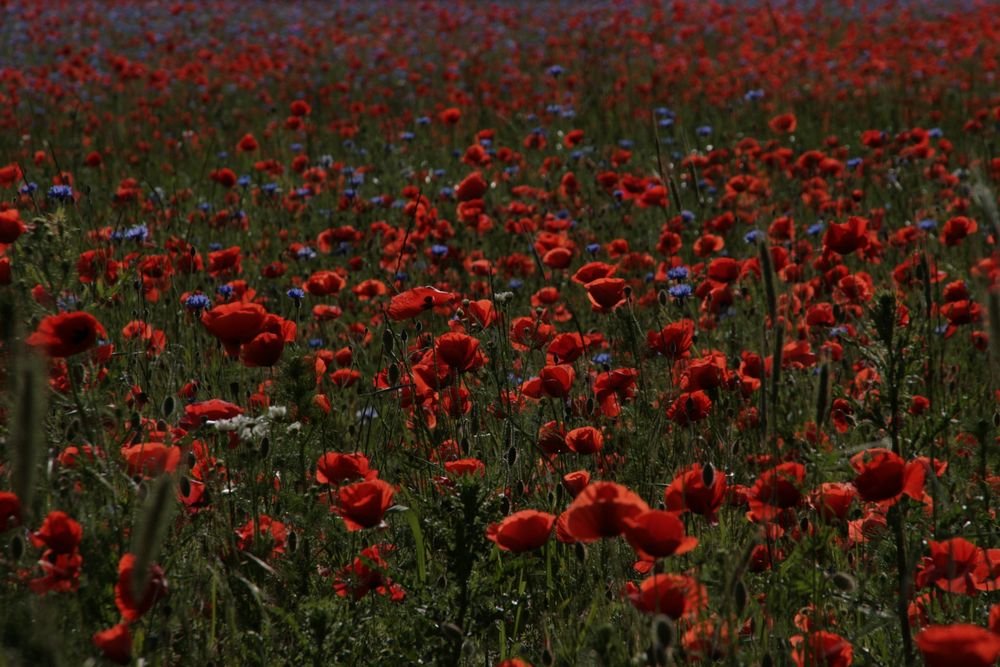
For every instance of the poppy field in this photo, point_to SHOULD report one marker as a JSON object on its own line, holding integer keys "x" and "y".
{"x": 517, "y": 333}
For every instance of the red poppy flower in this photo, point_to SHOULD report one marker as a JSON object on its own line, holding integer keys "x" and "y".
{"x": 366, "y": 574}
{"x": 247, "y": 144}
{"x": 960, "y": 644}
{"x": 658, "y": 534}
{"x": 522, "y": 531}
{"x": 695, "y": 490}
{"x": 605, "y": 294}
{"x": 821, "y": 649}
{"x": 274, "y": 532}
{"x": 473, "y": 186}
{"x": 776, "y": 490}
{"x": 10, "y": 174}
{"x": 846, "y": 237}
{"x": 832, "y": 500}
{"x": 148, "y": 459}
{"x": 689, "y": 407}
{"x": 335, "y": 468}
{"x": 783, "y": 124}
{"x": 213, "y": 409}
{"x": 674, "y": 340}
{"x": 67, "y": 334}
{"x": 708, "y": 372}
{"x": 234, "y": 323}
{"x": 324, "y": 283}
{"x": 459, "y": 351}
{"x": 956, "y": 229}
{"x": 592, "y": 271}
{"x": 585, "y": 440}
{"x": 576, "y": 481}
{"x": 263, "y": 351}
{"x": 363, "y": 505}
{"x": 601, "y": 510}
{"x": 10, "y": 511}
{"x": 955, "y": 566}
{"x": 130, "y": 606}
{"x": 674, "y": 595}
{"x": 557, "y": 380}
{"x": 724, "y": 269}
{"x": 414, "y": 301}
{"x": 115, "y": 643}
{"x": 11, "y": 226}
{"x": 883, "y": 476}
{"x": 58, "y": 532}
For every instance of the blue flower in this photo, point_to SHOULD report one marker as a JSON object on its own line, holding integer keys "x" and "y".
{"x": 61, "y": 193}
{"x": 815, "y": 229}
{"x": 198, "y": 302}
{"x": 28, "y": 188}
{"x": 439, "y": 250}
{"x": 296, "y": 293}
{"x": 678, "y": 273}
{"x": 515, "y": 283}
{"x": 305, "y": 252}
{"x": 315, "y": 343}
{"x": 854, "y": 162}
{"x": 681, "y": 291}
{"x": 927, "y": 224}
{"x": 703, "y": 130}
{"x": 602, "y": 358}
{"x": 556, "y": 70}
{"x": 224, "y": 290}
{"x": 243, "y": 181}
{"x": 593, "y": 248}
{"x": 753, "y": 236}
{"x": 687, "y": 216}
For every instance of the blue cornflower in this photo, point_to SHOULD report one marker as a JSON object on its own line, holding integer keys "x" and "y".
{"x": 423, "y": 120}
{"x": 602, "y": 358}
{"x": 753, "y": 236}
{"x": 556, "y": 70}
{"x": 681, "y": 291}
{"x": 593, "y": 248}
{"x": 198, "y": 302}
{"x": 439, "y": 250}
{"x": 515, "y": 283}
{"x": 269, "y": 188}
{"x": 243, "y": 181}
{"x": 927, "y": 224}
{"x": 28, "y": 188}
{"x": 315, "y": 343}
{"x": 815, "y": 229}
{"x": 854, "y": 162}
{"x": 305, "y": 252}
{"x": 224, "y": 290}
{"x": 61, "y": 193}
{"x": 704, "y": 130}
{"x": 296, "y": 293}
{"x": 687, "y": 216}
{"x": 678, "y": 273}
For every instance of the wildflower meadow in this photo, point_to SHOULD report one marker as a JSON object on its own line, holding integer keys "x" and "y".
{"x": 500, "y": 334}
